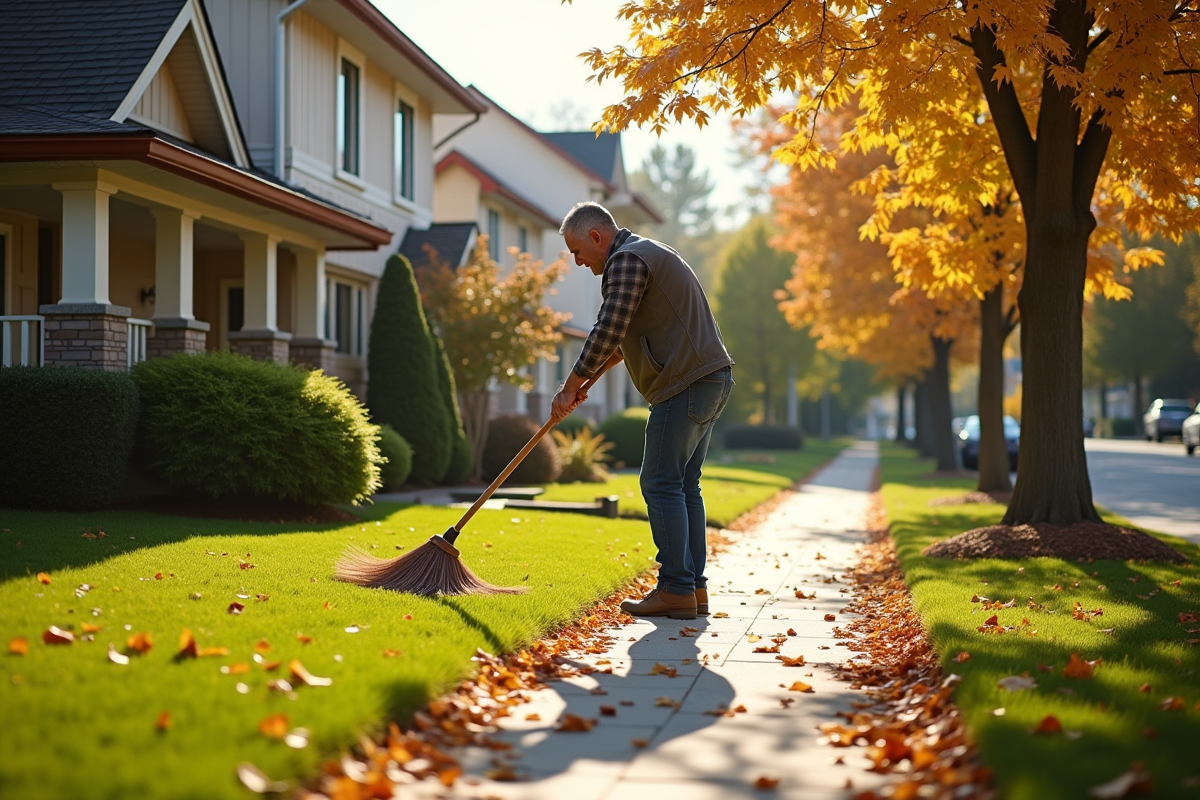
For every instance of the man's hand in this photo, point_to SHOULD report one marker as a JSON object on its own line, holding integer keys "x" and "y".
{"x": 568, "y": 398}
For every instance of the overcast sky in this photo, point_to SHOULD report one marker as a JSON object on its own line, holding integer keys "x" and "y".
{"x": 524, "y": 55}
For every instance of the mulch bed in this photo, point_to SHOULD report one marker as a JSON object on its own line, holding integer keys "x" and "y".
{"x": 972, "y": 497}
{"x": 249, "y": 509}
{"x": 1083, "y": 540}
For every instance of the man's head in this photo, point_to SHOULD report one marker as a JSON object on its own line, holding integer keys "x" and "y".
{"x": 588, "y": 229}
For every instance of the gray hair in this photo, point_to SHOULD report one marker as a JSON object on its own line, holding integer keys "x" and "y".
{"x": 587, "y": 216}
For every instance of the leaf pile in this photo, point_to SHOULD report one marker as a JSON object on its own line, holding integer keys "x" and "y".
{"x": 912, "y": 728}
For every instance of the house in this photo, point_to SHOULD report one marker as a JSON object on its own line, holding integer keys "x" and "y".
{"x": 515, "y": 185}
{"x": 167, "y": 184}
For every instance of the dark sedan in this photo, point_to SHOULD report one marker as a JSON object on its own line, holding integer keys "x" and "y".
{"x": 968, "y": 441}
{"x": 1165, "y": 418}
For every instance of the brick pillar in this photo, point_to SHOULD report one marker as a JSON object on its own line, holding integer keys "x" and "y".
{"x": 261, "y": 345}
{"x": 313, "y": 353}
{"x": 177, "y": 335}
{"x": 88, "y": 335}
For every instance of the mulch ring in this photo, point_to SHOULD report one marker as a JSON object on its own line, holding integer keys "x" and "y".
{"x": 1082, "y": 540}
{"x": 250, "y": 509}
{"x": 971, "y": 498}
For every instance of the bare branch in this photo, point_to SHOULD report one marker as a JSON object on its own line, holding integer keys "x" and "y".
{"x": 1181, "y": 72}
{"x": 1099, "y": 40}
{"x": 753, "y": 31}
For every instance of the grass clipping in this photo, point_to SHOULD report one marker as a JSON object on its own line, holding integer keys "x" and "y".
{"x": 1082, "y": 540}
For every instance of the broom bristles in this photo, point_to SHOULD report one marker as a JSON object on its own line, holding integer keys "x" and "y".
{"x": 427, "y": 570}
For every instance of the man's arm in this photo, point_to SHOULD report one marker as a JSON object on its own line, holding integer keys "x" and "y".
{"x": 569, "y": 396}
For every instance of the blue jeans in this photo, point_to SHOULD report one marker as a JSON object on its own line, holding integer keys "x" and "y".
{"x": 677, "y": 437}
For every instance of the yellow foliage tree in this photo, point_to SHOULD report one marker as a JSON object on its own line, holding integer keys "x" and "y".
{"x": 1094, "y": 107}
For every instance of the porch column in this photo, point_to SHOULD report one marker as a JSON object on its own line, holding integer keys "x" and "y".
{"x": 310, "y": 347}
{"x": 260, "y": 337}
{"x": 83, "y": 328}
{"x": 176, "y": 330}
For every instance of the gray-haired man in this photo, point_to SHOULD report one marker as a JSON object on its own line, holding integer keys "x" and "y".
{"x": 656, "y": 318}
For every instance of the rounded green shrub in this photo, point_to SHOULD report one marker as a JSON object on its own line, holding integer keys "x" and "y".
{"x": 763, "y": 437}
{"x": 507, "y": 434}
{"x": 462, "y": 462}
{"x": 462, "y": 455}
{"x": 222, "y": 424}
{"x": 66, "y": 436}
{"x": 627, "y": 432}
{"x": 575, "y": 423}
{"x": 399, "y": 458}
{"x": 402, "y": 386}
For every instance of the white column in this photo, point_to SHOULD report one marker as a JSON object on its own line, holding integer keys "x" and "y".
{"x": 260, "y": 274}
{"x": 173, "y": 264}
{"x": 85, "y": 241}
{"x": 310, "y": 294}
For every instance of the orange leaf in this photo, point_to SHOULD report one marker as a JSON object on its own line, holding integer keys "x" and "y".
{"x": 18, "y": 645}
{"x": 753, "y": 637}
{"x": 163, "y": 722}
{"x": 304, "y": 676}
{"x": 663, "y": 669}
{"x": 1078, "y": 669}
{"x": 830, "y": 617}
{"x": 139, "y": 643}
{"x": 204, "y": 652}
{"x": 303, "y": 638}
{"x": 764, "y": 783}
{"x": 800, "y": 686}
{"x": 791, "y": 661}
{"x": 1145, "y": 687}
{"x": 639, "y": 743}
{"x": 962, "y": 656}
{"x": 764, "y": 649}
{"x": 89, "y": 627}
{"x": 1171, "y": 704}
{"x": 274, "y": 727}
{"x": 237, "y": 668}
{"x": 56, "y": 635}
{"x": 791, "y": 631}
{"x": 390, "y": 653}
{"x": 187, "y": 644}
{"x": 263, "y": 646}
{"x": 1049, "y": 724}
{"x": 43, "y": 577}
{"x": 235, "y": 608}
{"x": 573, "y": 723}
{"x": 608, "y": 711}
{"x": 533, "y": 717}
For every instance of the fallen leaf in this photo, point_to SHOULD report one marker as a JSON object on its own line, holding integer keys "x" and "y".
{"x": 390, "y": 653}
{"x": 1015, "y": 683}
{"x": 800, "y": 595}
{"x": 263, "y": 646}
{"x": 830, "y": 617}
{"x": 500, "y": 775}
{"x": 1078, "y": 669}
{"x": 639, "y": 743}
{"x": 800, "y": 686}
{"x": 139, "y": 643}
{"x": 739, "y": 709}
{"x": 303, "y": 639}
{"x": 163, "y": 722}
{"x": 764, "y": 783}
{"x": 608, "y": 711}
{"x": 44, "y": 578}
{"x": 304, "y": 676}
{"x": 1145, "y": 687}
{"x": 765, "y": 649}
{"x": 663, "y": 669}
{"x": 791, "y": 631}
{"x": 117, "y": 658}
{"x": 88, "y": 627}
{"x": 205, "y": 652}
{"x": 962, "y": 656}
{"x": 786, "y": 702}
{"x": 235, "y": 608}
{"x": 238, "y": 668}
{"x": 753, "y": 638}
{"x": 56, "y": 635}
{"x": 187, "y": 645}
{"x": 573, "y": 723}
{"x": 791, "y": 661}
{"x": 1171, "y": 704}
{"x": 352, "y": 629}
{"x": 718, "y": 615}
{"x": 1049, "y": 724}
{"x": 533, "y": 717}
{"x": 667, "y": 702}
{"x": 18, "y": 645}
{"x": 274, "y": 726}
{"x": 254, "y": 779}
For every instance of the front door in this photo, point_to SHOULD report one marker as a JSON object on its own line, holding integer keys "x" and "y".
{"x": 233, "y": 309}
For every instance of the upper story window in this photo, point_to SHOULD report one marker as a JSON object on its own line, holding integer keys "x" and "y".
{"x": 348, "y": 116}
{"x": 403, "y": 127}
{"x": 522, "y": 239}
{"x": 493, "y": 231}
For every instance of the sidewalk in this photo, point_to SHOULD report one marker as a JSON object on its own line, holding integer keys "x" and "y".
{"x": 685, "y": 752}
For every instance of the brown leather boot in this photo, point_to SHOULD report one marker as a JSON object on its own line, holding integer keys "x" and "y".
{"x": 702, "y": 602}
{"x": 662, "y": 604}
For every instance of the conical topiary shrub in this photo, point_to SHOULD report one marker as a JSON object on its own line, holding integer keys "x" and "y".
{"x": 462, "y": 456}
{"x": 402, "y": 388}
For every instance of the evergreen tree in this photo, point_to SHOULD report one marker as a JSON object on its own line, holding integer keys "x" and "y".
{"x": 403, "y": 389}
{"x": 462, "y": 458}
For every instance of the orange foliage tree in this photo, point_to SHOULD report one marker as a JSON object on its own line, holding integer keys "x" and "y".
{"x": 1094, "y": 106}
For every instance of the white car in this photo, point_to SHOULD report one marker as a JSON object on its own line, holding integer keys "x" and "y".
{"x": 1164, "y": 418}
{"x": 1190, "y": 432}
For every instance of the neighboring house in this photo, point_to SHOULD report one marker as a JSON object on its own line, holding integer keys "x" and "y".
{"x": 516, "y": 184}
{"x": 141, "y": 195}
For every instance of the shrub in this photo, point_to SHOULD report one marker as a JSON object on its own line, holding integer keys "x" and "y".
{"x": 576, "y": 422}
{"x": 402, "y": 388}
{"x": 627, "y": 432}
{"x": 462, "y": 462}
{"x": 462, "y": 455}
{"x": 223, "y": 424}
{"x": 399, "y": 458}
{"x": 763, "y": 437}
{"x": 1121, "y": 427}
{"x": 67, "y": 435}
{"x": 582, "y": 456}
{"x": 507, "y": 434}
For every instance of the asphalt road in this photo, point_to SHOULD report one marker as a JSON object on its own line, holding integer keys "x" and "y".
{"x": 1156, "y": 486}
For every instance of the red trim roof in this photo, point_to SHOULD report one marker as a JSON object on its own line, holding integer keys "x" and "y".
{"x": 490, "y": 184}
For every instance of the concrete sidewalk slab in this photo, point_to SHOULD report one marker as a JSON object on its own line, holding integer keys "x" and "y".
{"x": 663, "y": 742}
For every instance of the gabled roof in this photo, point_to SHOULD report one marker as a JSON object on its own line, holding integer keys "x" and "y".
{"x": 597, "y": 153}
{"x": 490, "y": 184}
{"x": 452, "y": 241}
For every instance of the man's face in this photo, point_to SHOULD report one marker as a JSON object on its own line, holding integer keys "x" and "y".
{"x": 590, "y": 251}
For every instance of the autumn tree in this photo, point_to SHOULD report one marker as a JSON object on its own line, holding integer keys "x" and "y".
{"x": 492, "y": 324}
{"x": 1077, "y": 90}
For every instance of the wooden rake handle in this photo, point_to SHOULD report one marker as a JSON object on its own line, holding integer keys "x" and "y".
{"x": 519, "y": 457}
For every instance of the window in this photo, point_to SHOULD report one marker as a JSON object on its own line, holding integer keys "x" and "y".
{"x": 403, "y": 127}
{"x": 345, "y": 316}
{"x": 348, "y": 117}
{"x": 560, "y": 366}
{"x": 493, "y": 230}
{"x": 522, "y": 239}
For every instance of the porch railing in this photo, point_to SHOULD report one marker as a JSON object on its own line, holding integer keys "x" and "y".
{"x": 135, "y": 348}
{"x": 22, "y": 341}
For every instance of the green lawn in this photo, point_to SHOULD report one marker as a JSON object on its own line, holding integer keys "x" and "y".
{"x": 77, "y": 725}
{"x": 1139, "y": 636}
{"x": 734, "y": 481}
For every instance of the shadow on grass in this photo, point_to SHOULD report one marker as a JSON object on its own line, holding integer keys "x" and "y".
{"x": 494, "y": 641}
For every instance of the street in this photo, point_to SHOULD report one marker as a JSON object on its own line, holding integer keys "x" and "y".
{"x": 1154, "y": 485}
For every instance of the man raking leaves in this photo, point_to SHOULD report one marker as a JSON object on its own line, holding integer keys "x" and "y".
{"x": 656, "y": 318}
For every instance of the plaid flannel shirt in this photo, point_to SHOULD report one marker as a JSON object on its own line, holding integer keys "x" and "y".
{"x": 624, "y": 282}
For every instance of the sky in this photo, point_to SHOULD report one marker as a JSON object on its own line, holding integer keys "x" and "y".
{"x": 524, "y": 55}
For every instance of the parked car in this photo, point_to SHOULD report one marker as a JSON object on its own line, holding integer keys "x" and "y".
{"x": 1190, "y": 432}
{"x": 1089, "y": 428}
{"x": 1165, "y": 418}
{"x": 968, "y": 441}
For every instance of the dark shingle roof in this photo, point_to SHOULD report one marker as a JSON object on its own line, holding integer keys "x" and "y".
{"x": 599, "y": 154}
{"x": 449, "y": 239}
{"x": 80, "y": 55}
{"x": 32, "y": 120}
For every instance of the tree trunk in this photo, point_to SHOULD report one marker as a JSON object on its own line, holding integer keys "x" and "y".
{"x": 1103, "y": 402}
{"x": 901, "y": 433}
{"x": 474, "y": 407}
{"x": 923, "y": 419}
{"x": 940, "y": 415}
{"x": 993, "y": 448}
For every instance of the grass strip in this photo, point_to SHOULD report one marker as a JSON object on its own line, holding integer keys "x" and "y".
{"x": 79, "y": 725}
{"x": 1125, "y": 713}
{"x": 734, "y": 481}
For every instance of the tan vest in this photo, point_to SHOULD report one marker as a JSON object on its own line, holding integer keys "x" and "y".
{"x": 673, "y": 337}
